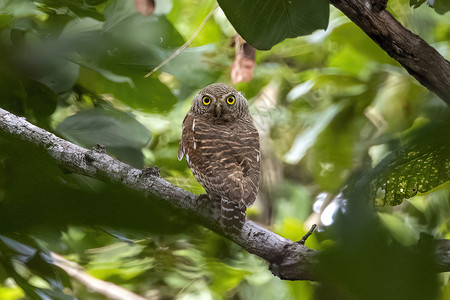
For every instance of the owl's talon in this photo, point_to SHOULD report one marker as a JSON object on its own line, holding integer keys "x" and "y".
{"x": 204, "y": 201}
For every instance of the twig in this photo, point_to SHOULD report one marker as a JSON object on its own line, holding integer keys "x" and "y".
{"x": 307, "y": 235}
{"x": 185, "y": 45}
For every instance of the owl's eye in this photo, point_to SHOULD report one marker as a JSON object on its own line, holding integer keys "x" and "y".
{"x": 231, "y": 100}
{"x": 206, "y": 100}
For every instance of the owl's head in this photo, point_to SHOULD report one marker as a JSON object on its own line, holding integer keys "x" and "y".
{"x": 220, "y": 102}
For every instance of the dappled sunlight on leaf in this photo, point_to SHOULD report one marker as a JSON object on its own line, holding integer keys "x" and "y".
{"x": 417, "y": 167}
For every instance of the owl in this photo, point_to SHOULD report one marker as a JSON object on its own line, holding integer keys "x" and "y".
{"x": 221, "y": 145}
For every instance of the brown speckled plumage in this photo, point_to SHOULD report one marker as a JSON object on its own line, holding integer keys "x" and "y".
{"x": 221, "y": 145}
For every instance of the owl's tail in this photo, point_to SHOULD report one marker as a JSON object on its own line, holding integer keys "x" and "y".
{"x": 232, "y": 216}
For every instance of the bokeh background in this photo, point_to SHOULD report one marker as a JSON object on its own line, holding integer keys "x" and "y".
{"x": 329, "y": 107}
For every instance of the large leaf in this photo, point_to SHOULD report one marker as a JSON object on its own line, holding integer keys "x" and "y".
{"x": 420, "y": 165}
{"x": 107, "y": 127}
{"x": 120, "y": 71}
{"x": 119, "y": 132}
{"x": 18, "y": 8}
{"x": 396, "y": 271}
{"x": 145, "y": 94}
{"x": 193, "y": 67}
{"x": 440, "y": 6}
{"x": 124, "y": 22}
{"x": 264, "y": 23}
{"x": 81, "y": 8}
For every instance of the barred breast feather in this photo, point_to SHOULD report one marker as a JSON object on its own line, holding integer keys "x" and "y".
{"x": 221, "y": 145}
{"x": 224, "y": 158}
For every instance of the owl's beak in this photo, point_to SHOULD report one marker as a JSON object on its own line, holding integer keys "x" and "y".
{"x": 218, "y": 110}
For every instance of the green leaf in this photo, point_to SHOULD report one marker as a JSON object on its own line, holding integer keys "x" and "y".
{"x": 146, "y": 94}
{"x": 419, "y": 166}
{"x": 41, "y": 100}
{"x": 123, "y": 22}
{"x": 18, "y": 8}
{"x": 62, "y": 79}
{"x": 81, "y": 8}
{"x": 107, "y": 74}
{"x": 265, "y": 23}
{"x": 225, "y": 277}
{"x": 193, "y": 68}
{"x": 400, "y": 228}
{"x": 81, "y": 26}
{"x": 11, "y": 293}
{"x": 4, "y": 21}
{"x": 332, "y": 164}
{"x": 118, "y": 131}
{"x": 441, "y": 6}
{"x": 119, "y": 260}
{"x": 115, "y": 62}
{"x": 367, "y": 264}
{"x": 110, "y": 128}
{"x": 23, "y": 252}
{"x": 348, "y": 34}
{"x": 416, "y": 3}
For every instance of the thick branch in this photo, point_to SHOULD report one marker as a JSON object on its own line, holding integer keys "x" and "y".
{"x": 287, "y": 259}
{"x": 421, "y": 60}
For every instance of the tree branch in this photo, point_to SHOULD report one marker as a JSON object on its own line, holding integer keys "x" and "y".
{"x": 107, "y": 289}
{"x": 287, "y": 259}
{"x": 421, "y": 60}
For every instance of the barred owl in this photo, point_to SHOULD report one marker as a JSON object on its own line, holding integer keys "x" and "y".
{"x": 221, "y": 146}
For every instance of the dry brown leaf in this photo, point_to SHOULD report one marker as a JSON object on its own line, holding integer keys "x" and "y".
{"x": 244, "y": 63}
{"x": 242, "y": 69}
{"x": 144, "y": 7}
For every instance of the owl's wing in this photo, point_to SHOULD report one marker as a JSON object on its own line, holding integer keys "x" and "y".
{"x": 186, "y": 136}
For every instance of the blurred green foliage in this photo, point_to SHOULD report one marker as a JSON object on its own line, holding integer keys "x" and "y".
{"x": 336, "y": 114}
{"x": 440, "y": 6}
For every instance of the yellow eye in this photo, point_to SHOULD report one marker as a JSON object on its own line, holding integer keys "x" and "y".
{"x": 231, "y": 100}
{"x": 206, "y": 100}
